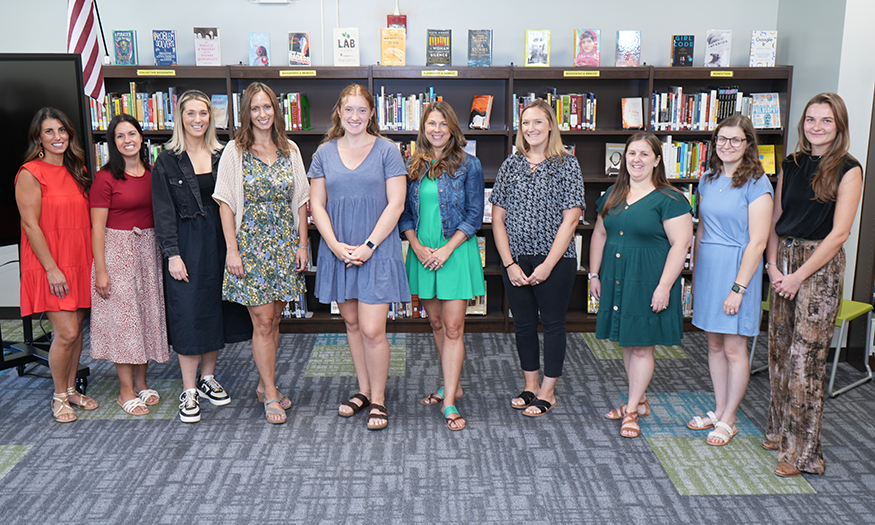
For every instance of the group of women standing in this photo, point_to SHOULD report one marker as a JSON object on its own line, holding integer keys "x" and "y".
{"x": 208, "y": 210}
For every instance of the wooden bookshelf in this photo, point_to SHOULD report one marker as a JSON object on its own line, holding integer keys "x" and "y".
{"x": 457, "y": 86}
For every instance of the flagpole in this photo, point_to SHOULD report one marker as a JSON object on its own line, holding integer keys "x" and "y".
{"x": 102, "y": 36}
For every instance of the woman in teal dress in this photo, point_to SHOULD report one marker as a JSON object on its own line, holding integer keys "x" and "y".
{"x": 638, "y": 247}
{"x": 442, "y": 212}
{"x": 262, "y": 190}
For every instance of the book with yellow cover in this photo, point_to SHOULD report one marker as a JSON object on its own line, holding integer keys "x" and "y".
{"x": 392, "y": 47}
{"x": 767, "y": 158}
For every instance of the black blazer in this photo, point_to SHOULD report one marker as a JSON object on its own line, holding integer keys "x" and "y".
{"x": 175, "y": 195}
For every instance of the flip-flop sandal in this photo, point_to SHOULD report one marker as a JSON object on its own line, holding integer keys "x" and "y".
{"x": 527, "y": 397}
{"x": 452, "y": 410}
{"x": 542, "y": 406}
{"x": 355, "y": 407}
{"x": 434, "y": 398}
{"x": 724, "y": 440}
{"x": 699, "y": 424}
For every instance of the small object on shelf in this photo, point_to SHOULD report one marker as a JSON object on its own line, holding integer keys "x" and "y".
{"x": 682, "y": 50}
{"x": 299, "y": 49}
{"x": 628, "y": 48}
{"x": 592, "y": 304}
{"x": 220, "y": 110}
{"x": 718, "y": 44}
{"x": 586, "y": 47}
{"x": 207, "y": 49}
{"x": 479, "y": 47}
{"x": 164, "y": 47}
{"x": 392, "y": 47}
{"x": 765, "y": 111}
{"x": 481, "y": 112}
{"x": 487, "y": 205}
{"x": 125, "y": 46}
{"x": 259, "y": 49}
{"x": 481, "y": 245}
{"x": 439, "y": 47}
{"x": 397, "y": 20}
{"x": 346, "y": 46}
{"x": 763, "y": 46}
{"x": 613, "y": 156}
{"x": 477, "y": 305}
{"x": 537, "y": 48}
{"x": 633, "y": 117}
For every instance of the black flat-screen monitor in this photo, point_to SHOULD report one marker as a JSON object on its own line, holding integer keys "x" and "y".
{"x": 29, "y": 82}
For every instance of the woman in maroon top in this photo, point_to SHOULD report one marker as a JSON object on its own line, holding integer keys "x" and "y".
{"x": 127, "y": 299}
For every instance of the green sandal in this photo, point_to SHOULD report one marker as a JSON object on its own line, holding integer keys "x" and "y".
{"x": 452, "y": 410}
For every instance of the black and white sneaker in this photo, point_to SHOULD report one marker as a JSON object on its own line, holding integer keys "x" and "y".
{"x": 189, "y": 407}
{"x": 212, "y": 390}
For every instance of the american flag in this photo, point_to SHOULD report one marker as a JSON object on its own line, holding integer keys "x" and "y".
{"x": 82, "y": 38}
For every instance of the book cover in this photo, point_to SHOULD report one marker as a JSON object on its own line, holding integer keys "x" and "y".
{"x": 765, "y": 110}
{"x": 592, "y": 304}
{"x": 299, "y": 49}
{"x": 207, "y": 51}
{"x": 392, "y": 46}
{"x": 481, "y": 245}
{"x": 628, "y": 48}
{"x": 633, "y": 113}
{"x": 164, "y": 47}
{"x": 613, "y": 155}
{"x": 125, "y": 46}
{"x": 479, "y": 47}
{"x": 586, "y": 45}
{"x": 220, "y": 110}
{"x": 481, "y": 112}
{"x": 439, "y": 47}
{"x": 346, "y": 46}
{"x": 718, "y": 43}
{"x": 487, "y": 205}
{"x": 767, "y": 158}
{"x": 259, "y": 49}
{"x": 537, "y": 48}
{"x": 763, "y": 45}
{"x": 470, "y": 147}
{"x": 477, "y": 305}
{"x": 682, "y": 50}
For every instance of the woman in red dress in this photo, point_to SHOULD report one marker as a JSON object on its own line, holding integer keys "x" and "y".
{"x": 51, "y": 190}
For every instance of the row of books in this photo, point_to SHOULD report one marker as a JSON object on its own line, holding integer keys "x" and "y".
{"x": 402, "y": 113}
{"x": 101, "y": 152}
{"x": 154, "y": 111}
{"x": 592, "y": 304}
{"x": 410, "y": 310}
{"x": 685, "y": 160}
{"x": 439, "y": 48}
{"x": 574, "y": 111}
{"x": 674, "y": 110}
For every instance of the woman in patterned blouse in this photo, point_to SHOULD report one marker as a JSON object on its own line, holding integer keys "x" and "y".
{"x": 537, "y": 203}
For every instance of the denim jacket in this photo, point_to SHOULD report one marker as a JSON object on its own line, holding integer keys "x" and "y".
{"x": 460, "y": 197}
{"x": 175, "y": 195}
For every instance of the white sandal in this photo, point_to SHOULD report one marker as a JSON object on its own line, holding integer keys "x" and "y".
{"x": 724, "y": 440}
{"x": 149, "y": 393}
{"x": 132, "y": 404}
{"x": 700, "y": 423}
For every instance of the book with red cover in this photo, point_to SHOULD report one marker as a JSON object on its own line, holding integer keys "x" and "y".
{"x": 481, "y": 112}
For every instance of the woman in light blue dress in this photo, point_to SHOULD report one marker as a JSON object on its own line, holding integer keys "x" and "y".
{"x": 735, "y": 207}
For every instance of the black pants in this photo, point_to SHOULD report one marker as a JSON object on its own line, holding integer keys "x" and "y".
{"x": 550, "y": 298}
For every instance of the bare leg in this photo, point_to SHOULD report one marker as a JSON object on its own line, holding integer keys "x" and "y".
{"x": 349, "y": 312}
{"x": 188, "y": 367}
{"x": 372, "y": 326}
{"x": 719, "y": 368}
{"x": 737, "y": 378}
{"x": 140, "y": 382}
{"x": 265, "y": 322}
{"x": 437, "y": 311}
{"x": 126, "y": 381}
{"x": 533, "y": 385}
{"x": 641, "y": 363}
{"x": 65, "y": 351}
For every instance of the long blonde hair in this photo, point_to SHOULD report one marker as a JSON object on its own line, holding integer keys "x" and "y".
{"x": 826, "y": 180}
{"x": 177, "y": 141}
{"x": 554, "y": 144}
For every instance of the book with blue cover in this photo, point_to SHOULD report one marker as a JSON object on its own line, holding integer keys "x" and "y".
{"x": 164, "y": 46}
{"x": 125, "y": 46}
{"x": 480, "y": 47}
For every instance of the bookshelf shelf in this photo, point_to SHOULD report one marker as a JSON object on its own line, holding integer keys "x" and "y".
{"x": 457, "y": 86}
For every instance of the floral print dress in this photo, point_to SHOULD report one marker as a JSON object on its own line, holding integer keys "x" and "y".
{"x": 267, "y": 239}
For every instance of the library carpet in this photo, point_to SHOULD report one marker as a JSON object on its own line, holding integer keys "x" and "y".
{"x": 570, "y": 466}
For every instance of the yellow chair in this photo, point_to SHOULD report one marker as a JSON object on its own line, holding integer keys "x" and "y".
{"x": 848, "y": 311}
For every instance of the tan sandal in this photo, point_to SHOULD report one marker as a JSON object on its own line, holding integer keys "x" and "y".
{"x": 771, "y": 445}
{"x": 85, "y": 402}
{"x": 630, "y": 427}
{"x": 620, "y": 411}
{"x": 786, "y": 470}
{"x": 285, "y": 402}
{"x": 64, "y": 413}
{"x": 269, "y": 411}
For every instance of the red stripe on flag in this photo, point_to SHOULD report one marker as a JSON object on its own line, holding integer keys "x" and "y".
{"x": 82, "y": 39}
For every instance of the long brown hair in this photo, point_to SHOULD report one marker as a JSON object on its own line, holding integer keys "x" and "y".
{"x": 74, "y": 156}
{"x": 116, "y": 162}
{"x": 336, "y": 130}
{"x": 246, "y": 137}
{"x": 826, "y": 179}
{"x": 452, "y": 156}
{"x": 177, "y": 142}
{"x": 750, "y": 165}
{"x": 621, "y": 187}
{"x": 554, "y": 144}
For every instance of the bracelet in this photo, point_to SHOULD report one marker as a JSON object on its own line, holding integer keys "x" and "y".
{"x": 173, "y": 257}
{"x": 592, "y": 276}
{"x": 509, "y": 265}
{"x": 304, "y": 247}
{"x": 740, "y": 286}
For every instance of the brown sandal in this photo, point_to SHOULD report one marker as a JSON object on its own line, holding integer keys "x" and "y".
{"x": 786, "y": 470}
{"x": 771, "y": 445}
{"x": 630, "y": 427}
{"x": 620, "y": 411}
{"x": 355, "y": 407}
{"x": 376, "y": 420}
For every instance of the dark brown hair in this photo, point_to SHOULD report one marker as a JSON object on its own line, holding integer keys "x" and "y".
{"x": 246, "y": 137}
{"x": 621, "y": 187}
{"x": 336, "y": 130}
{"x": 452, "y": 155}
{"x": 116, "y": 163}
{"x": 828, "y": 176}
{"x": 750, "y": 165}
{"x": 74, "y": 156}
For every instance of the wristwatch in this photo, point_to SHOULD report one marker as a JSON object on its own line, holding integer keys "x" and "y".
{"x": 737, "y": 288}
{"x": 769, "y": 264}
{"x": 370, "y": 244}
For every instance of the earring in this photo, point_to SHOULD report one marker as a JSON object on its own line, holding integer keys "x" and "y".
{"x": 41, "y": 151}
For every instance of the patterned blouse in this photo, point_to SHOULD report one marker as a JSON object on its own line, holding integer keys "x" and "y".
{"x": 535, "y": 201}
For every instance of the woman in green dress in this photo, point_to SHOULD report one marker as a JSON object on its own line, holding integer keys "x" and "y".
{"x": 262, "y": 191}
{"x": 639, "y": 246}
{"x": 442, "y": 212}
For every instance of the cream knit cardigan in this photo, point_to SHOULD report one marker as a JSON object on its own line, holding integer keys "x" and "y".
{"x": 229, "y": 183}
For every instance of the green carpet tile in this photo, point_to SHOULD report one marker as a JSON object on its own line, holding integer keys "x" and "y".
{"x": 607, "y": 349}
{"x": 13, "y": 329}
{"x": 106, "y": 393}
{"x": 10, "y": 455}
{"x": 330, "y": 356}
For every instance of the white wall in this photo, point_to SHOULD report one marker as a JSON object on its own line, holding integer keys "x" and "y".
{"x": 10, "y": 294}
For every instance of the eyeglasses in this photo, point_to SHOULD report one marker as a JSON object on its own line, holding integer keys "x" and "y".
{"x": 735, "y": 141}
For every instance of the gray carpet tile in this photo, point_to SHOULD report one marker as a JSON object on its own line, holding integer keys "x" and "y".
{"x": 570, "y": 466}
